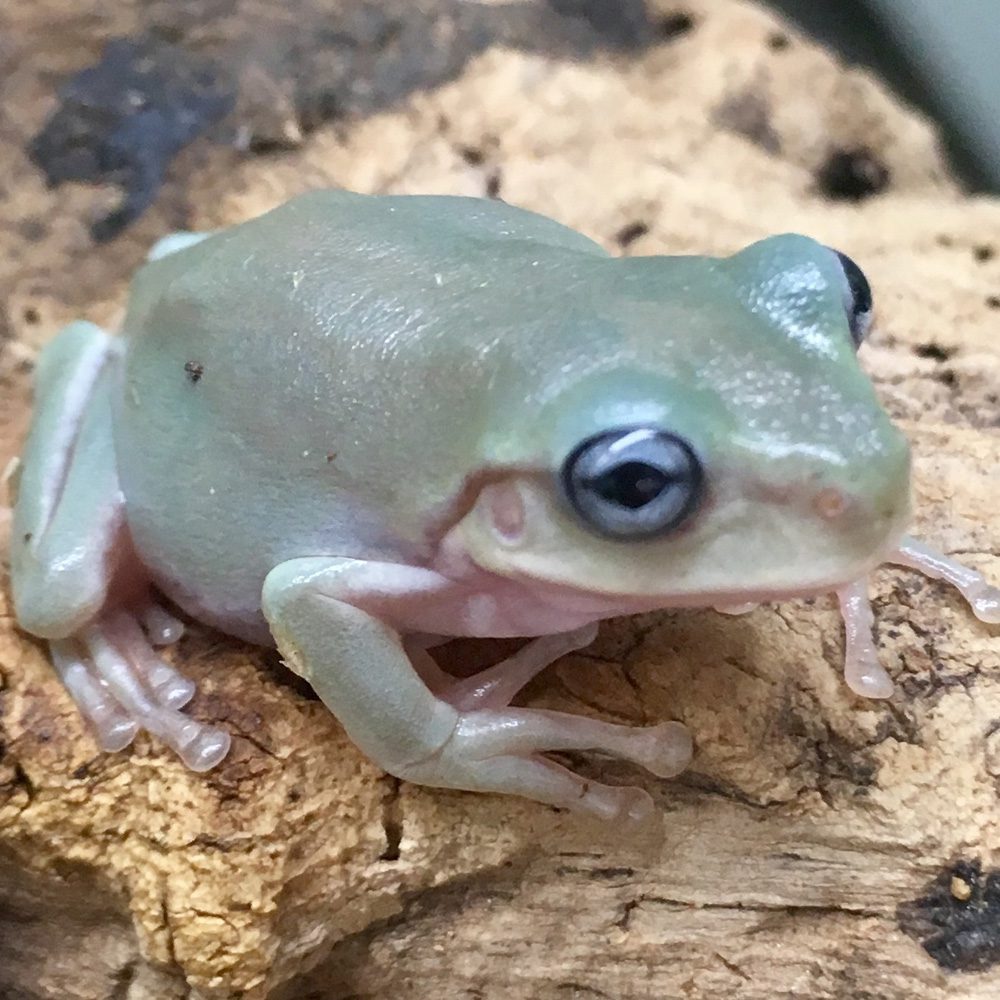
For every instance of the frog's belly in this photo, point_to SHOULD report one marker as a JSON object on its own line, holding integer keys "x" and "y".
{"x": 211, "y": 556}
{"x": 234, "y": 615}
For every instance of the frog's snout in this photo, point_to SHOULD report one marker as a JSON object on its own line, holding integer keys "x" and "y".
{"x": 834, "y": 506}
{"x": 876, "y": 494}
{"x": 831, "y": 503}
{"x": 861, "y": 499}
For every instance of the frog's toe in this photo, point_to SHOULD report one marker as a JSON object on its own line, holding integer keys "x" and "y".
{"x": 169, "y": 688}
{"x": 544, "y": 780}
{"x": 863, "y": 672}
{"x": 983, "y": 597}
{"x": 160, "y": 626}
{"x": 986, "y": 604}
{"x": 500, "y": 751}
{"x": 112, "y": 726}
{"x": 122, "y": 686}
{"x": 664, "y": 749}
{"x": 538, "y": 778}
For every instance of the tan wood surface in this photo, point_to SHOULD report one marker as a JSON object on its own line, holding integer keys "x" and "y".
{"x": 789, "y": 861}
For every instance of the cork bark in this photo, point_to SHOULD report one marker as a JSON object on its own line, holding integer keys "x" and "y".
{"x": 820, "y": 847}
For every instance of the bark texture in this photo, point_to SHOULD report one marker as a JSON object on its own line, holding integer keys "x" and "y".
{"x": 820, "y": 847}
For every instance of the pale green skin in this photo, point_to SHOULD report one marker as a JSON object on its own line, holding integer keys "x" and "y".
{"x": 380, "y": 375}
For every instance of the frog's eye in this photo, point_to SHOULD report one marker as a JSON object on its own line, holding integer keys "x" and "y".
{"x": 633, "y": 482}
{"x": 857, "y": 298}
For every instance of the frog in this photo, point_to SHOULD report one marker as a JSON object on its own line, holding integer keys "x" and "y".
{"x": 358, "y": 426}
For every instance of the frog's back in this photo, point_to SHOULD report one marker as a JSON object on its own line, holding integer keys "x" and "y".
{"x": 407, "y": 278}
{"x": 314, "y": 381}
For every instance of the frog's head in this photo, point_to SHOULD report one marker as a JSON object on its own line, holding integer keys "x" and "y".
{"x": 708, "y": 435}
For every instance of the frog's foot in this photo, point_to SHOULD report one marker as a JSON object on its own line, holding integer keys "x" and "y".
{"x": 496, "y": 749}
{"x": 982, "y": 597}
{"x": 499, "y": 751}
{"x": 122, "y": 686}
{"x": 864, "y": 674}
{"x": 496, "y": 686}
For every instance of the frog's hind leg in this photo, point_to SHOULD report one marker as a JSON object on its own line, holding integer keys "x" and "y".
{"x": 71, "y": 560}
{"x": 68, "y": 509}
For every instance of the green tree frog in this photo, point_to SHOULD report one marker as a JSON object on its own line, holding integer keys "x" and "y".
{"x": 358, "y": 425}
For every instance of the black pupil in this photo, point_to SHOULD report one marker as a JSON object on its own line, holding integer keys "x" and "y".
{"x": 631, "y": 484}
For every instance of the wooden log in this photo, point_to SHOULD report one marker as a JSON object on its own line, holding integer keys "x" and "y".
{"x": 820, "y": 847}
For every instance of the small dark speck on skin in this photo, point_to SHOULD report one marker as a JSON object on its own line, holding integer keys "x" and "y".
{"x": 493, "y": 185}
{"x": 984, "y": 253}
{"x": 993, "y": 302}
{"x": 28, "y": 537}
{"x": 194, "y": 370}
{"x": 778, "y": 42}
{"x": 31, "y": 316}
{"x": 331, "y": 456}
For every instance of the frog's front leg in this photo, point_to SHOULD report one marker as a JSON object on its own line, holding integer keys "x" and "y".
{"x": 496, "y": 686}
{"x": 863, "y": 672}
{"x": 73, "y": 578}
{"x": 330, "y": 618}
{"x": 983, "y": 597}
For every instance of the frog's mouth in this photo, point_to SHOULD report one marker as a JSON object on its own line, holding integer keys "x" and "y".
{"x": 597, "y": 603}
{"x": 734, "y": 552}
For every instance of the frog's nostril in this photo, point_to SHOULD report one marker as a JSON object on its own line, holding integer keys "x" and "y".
{"x": 830, "y": 503}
